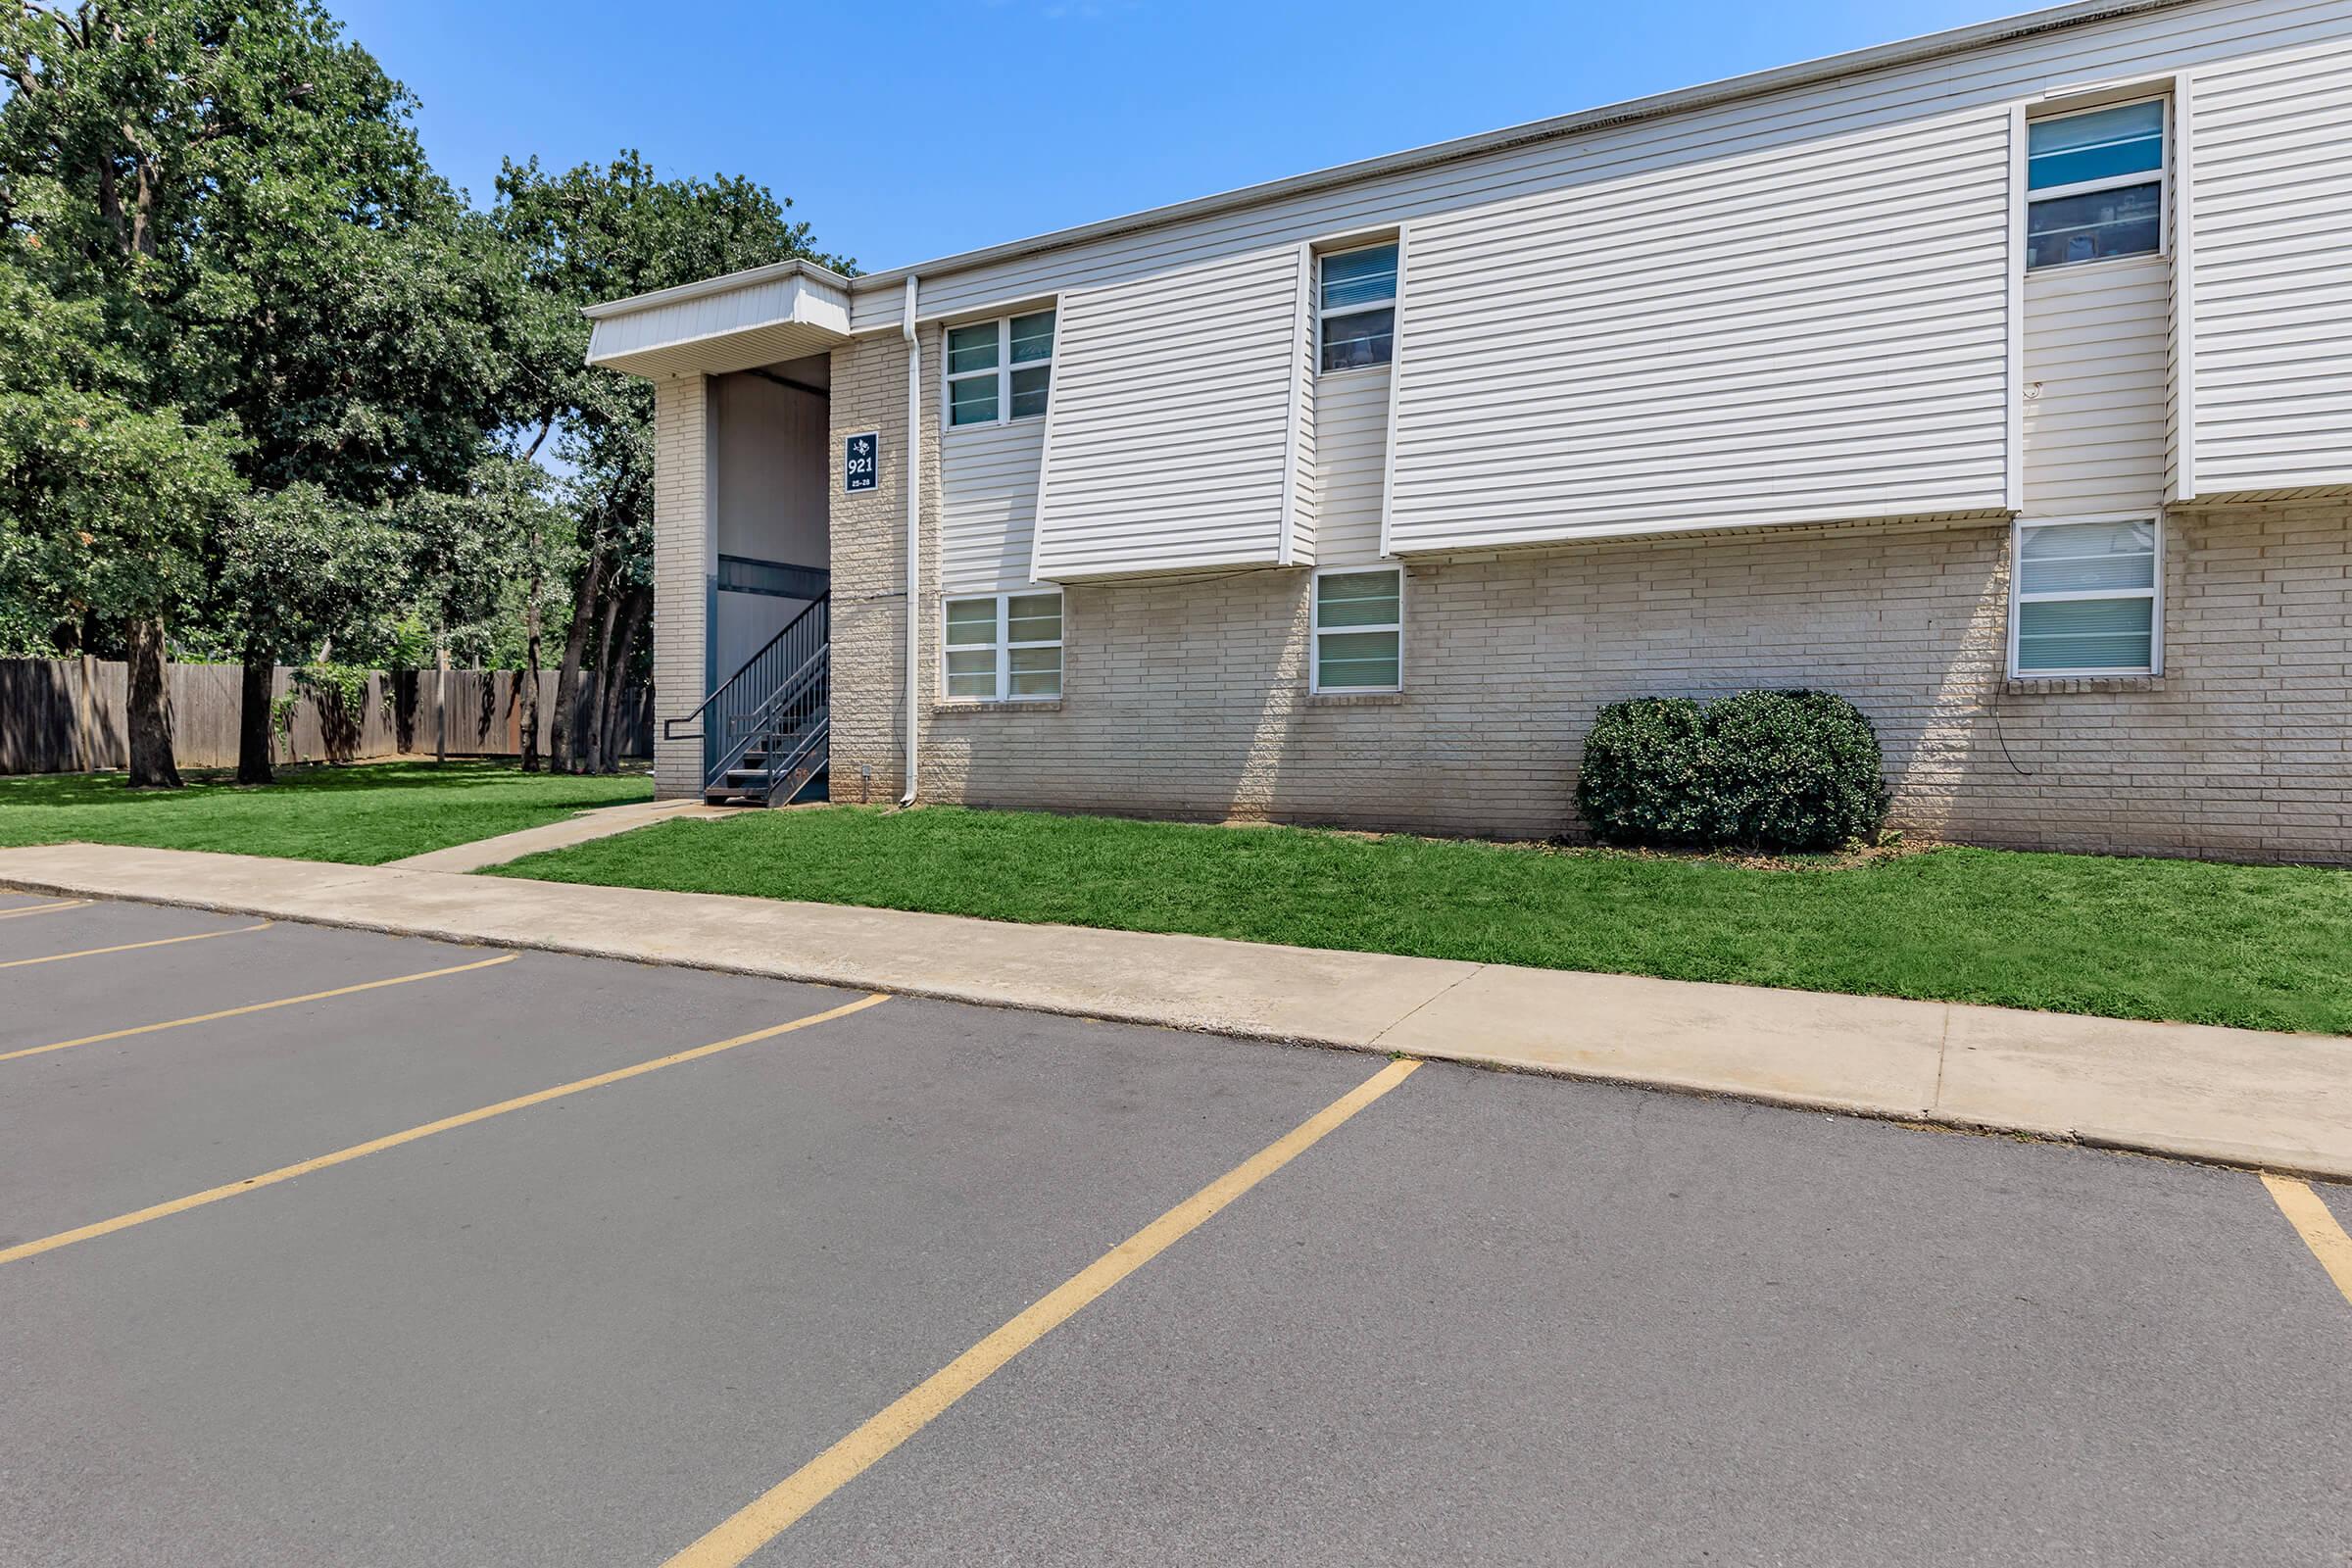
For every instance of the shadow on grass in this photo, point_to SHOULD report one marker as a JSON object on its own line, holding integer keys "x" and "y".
{"x": 54, "y": 790}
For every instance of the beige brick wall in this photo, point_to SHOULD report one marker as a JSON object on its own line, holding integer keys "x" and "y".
{"x": 869, "y": 569}
{"x": 683, "y": 562}
{"x": 1189, "y": 698}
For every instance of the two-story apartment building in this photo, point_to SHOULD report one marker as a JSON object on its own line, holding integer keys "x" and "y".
{"x": 1999, "y": 381}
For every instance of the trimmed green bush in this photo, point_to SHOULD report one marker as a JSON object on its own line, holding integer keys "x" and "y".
{"x": 1760, "y": 770}
{"x": 1639, "y": 783}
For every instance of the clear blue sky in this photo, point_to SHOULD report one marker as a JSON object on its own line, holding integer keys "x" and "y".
{"x": 908, "y": 131}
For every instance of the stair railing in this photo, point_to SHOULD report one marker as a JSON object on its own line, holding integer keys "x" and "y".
{"x": 791, "y": 725}
{"x": 808, "y": 753}
{"x": 735, "y": 714}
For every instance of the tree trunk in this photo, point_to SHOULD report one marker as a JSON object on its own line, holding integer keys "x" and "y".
{"x": 254, "y": 716}
{"x": 568, "y": 680}
{"x": 528, "y": 698}
{"x": 151, "y": 763}
{"x": 590, "y": 749}
{"x": 617, "y": 676}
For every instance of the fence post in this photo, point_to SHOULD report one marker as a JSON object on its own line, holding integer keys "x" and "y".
{"x": 85, "y": 720}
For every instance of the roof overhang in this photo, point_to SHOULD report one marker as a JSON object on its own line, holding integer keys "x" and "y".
{"x": 637, "y": 349}
{"x": 722, "y": 324}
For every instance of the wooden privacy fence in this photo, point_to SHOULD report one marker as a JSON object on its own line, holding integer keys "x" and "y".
{"x": 68, "y": 715}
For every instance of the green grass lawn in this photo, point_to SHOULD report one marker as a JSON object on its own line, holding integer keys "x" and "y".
{"x": 2261, "y": 947}
{"x": 362, "y": 815}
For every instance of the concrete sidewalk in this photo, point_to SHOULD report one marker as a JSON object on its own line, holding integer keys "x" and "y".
{"x": 2279, "y": 1101}
{"x": 597, "y": 823}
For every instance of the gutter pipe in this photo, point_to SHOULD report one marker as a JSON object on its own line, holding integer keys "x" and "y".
{"x": 914, "y": 540}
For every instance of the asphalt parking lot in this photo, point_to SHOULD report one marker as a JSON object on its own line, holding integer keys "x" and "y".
{"x": 320, "y": 1247}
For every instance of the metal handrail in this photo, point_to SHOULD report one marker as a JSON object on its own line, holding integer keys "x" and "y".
{"x": 815, "y": 734}
{"x": 776, "y": 679}
{"x": 760, "y": 724}
{"x": 793, "y": 685}
{"x": 821, "y": 602}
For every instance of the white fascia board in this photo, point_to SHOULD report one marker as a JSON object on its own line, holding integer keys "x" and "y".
{"x": 706, "y": 327}
{"x": 724, "y": 284}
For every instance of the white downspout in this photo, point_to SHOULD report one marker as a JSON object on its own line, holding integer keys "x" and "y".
{"x": 914, "y": 540}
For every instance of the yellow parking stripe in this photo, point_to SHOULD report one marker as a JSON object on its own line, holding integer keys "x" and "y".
{"x": 376, "y": 1145}
{"x": 2318, "y": 1227}
{"x": 257, "y": 1007}
{"x": 133, "y": 946}
{"x": 768, "y": 1515}
{"x": 46, "y": 908}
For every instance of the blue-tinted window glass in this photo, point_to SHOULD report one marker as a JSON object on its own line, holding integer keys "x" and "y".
{"x": 2099, "y": 223}
{"x": 1360, "y": 278}
{"x": 2103, "y": 144}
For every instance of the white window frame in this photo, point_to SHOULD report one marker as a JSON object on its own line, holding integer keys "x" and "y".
{"x": 2161, "y": 175}
{"x": 1004, "y": 644}
{"x": 1314, "y": 644}
{"x": 1322, "y": 315}
{"x": 1002, "y": 371}
{"x": 2154, "y": 594}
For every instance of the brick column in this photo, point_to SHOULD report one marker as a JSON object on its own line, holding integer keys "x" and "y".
{"x": 684, "y": 567}
{"x": 869, "y": 572}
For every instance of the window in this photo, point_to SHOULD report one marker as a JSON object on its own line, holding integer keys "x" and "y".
{"x": 2098, "y": 184}
{"x": 2085, "y": 601}
{"x": 1002, "y": 648}
{"x": 1359, "y": 631}
{"x": 1359, "y": 294}
{"x": 999, "y": 371}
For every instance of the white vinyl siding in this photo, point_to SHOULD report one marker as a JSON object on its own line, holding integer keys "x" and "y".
{"x": 988, "y": 504}
{"x": 2086, "y": 599}
{"x": 1301, "y": 503}
{"x": 2098, "y": 386}
{"x": 1359, "y": 631}
{"x": 1352, "y": 429}
{"x": 1813, "y": 334}
{"x": 1001, "y": 647}
{"x": 2270, "y": 154}
{"x": 1171, "y": 428}
{"x": 2131, "y": 48}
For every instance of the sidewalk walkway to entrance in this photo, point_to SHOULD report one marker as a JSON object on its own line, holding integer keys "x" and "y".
{"x": 2278, "y": 1101}
{"x": 602, "y": 823}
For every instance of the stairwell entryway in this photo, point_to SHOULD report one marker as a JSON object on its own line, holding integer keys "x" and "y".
{"x": 766, "y": 728}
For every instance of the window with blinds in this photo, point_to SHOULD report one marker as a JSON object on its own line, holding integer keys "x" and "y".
{"x": 1001, "y": 369}
{"x": 2097, "y": 184}
{"x": 1359, "y": 631}
{"x": 1001, "y": 647}
{"x": 2086, "y": 599}
{"x": 1357, "y": 292}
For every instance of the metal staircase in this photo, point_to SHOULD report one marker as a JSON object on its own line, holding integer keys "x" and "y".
{"x": 765, "y": 729}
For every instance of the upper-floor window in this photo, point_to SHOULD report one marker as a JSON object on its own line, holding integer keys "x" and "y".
{"x": 999, "y": 371}
{"x": 2097, "y": 184}
{"x": 1358, "y": 307}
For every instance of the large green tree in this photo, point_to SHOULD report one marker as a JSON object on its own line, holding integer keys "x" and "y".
{"x": 245, "y": 190}
{"x": 105, "y": 500}
{"x": 588, "y": 234}
{"x": 302, "y": 570}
